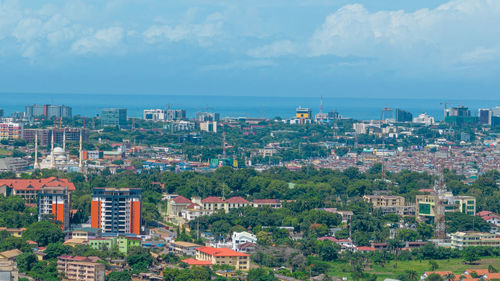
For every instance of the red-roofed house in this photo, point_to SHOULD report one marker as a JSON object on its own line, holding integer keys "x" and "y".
{"x": 240, "y": 261}
{"x": 235, "y": 202}
{"x": 177, "y": 205}
{"x": 28, "y": 189}
{"x": 213, "y": 203}
{"x": 484, "y": 213}
{"x": 364, "y": 249}
{"x": 273, "y": 203}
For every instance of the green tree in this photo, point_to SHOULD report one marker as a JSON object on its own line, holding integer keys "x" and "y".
{"x": 54, "y": 250}
{"x": 44, "y": 233}
{"x": 26, "y": 261}
{"x": 260, "y": 274}
{"x": 119, "y": 276}
{"x": 139, "y": 259}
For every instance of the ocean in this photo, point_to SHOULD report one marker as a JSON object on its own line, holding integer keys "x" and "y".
{"x": 238, "y": 106}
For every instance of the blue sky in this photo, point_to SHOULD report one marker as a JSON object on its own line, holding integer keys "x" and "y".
{"x": 336, "y": 48}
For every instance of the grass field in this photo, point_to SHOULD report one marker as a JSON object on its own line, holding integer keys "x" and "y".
{"x": 390, "y": 271}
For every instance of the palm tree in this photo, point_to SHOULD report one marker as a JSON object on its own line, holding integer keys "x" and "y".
{"x": 411, "y": 275}
{"x": 449, "y": 277}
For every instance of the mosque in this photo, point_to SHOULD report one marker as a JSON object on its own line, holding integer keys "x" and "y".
{"x": 58, "y": 158}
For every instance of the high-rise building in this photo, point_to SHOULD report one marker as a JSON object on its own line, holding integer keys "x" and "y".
{"x": 459, "y": 111}
{"x": 11, "y": 131}
{"x": 403, "y": 115}
{"x": 45, "y": 135}
{"x": 176, "y": 114}
{"x": 484, "y": 116}
{"x": 116, "y": 210}
{"x": 47, "y": 110}
{"x": 114, "y": 117}
{"x": 55, "y": 201}
{"x": 207, "y": 116}
{"x": 304, "y": 115}
{"x": 155, "y": 114}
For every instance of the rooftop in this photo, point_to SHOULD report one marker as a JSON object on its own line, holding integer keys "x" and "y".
{"x": 221, "y": 252}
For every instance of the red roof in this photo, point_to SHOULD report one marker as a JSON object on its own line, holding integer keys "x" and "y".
{"x": 192, "y": 261}
{"x": 181, "y": 200}
{"x": 212, "y": 199}
{"x": 265, "y": 201}
{"x": 365, "y": 248}
{"x": 237, "y": 200}
{"x": 333, "y": 239}
{"x": 193, "y": 205}
{"x": 442, "y": 273}
{"x": 484, "y": 213}
{"x": 37, "y": 184}
{"x": 221, "y": 252}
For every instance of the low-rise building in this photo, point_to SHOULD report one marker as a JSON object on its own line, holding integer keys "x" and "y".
{"x": 184, "y": 248}
{"x": 220, "y": 256}
{"x": 81, "y": 268}
{"x": 273, "y": 203}
{"x": 460, "y": 240}
{"x": 426, "y": 205}
{"x": 123, "y": 243}
{"x": 239, "y": 238}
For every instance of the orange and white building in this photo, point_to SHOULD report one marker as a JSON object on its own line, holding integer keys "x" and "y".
{"x": 52, "y": 196}
{"x": 116, "y": 210}
{"x": 55, "y": 202}
{"x": 218, "y": 256}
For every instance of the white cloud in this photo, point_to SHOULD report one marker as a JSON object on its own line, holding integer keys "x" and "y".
{"x": 275, "y": 49}
{"x": 99, "y": 41}
{"x": 200, "y": 32}
{"x": 239, "y": 64}
{"x": 439, "y": 36}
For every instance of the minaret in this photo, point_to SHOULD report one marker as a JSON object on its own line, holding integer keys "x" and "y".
{"x": 52, "y": 152}
{"x": 64, "y": 140}
{"x": 81, "y": 152}
{"x": 35, "y": 166}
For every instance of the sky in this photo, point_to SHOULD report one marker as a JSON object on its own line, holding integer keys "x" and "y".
{"x": 333, "y": 48}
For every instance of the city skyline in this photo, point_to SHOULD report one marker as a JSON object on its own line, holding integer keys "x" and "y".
{"x": 337, "y": 48}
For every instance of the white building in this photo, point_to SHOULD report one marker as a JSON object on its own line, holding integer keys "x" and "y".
{"x": 424, "y": 119}
{"x": 155, "y": 114}
{"x": 239, "y": 238}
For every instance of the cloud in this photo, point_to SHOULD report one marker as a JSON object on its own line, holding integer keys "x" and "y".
{"x": 239, "y": 64}
{"x": 99, "y": 41}
{"x": 199, "y": 32}
{"x": 440, "y": 36}
{"x": 275, "y": 49}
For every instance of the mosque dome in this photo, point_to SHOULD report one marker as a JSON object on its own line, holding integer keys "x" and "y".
{"x": 59, "y": 151}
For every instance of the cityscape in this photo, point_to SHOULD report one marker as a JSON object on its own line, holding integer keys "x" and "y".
{"x": 313, "y": 140}
{"x": 165, "y": 188}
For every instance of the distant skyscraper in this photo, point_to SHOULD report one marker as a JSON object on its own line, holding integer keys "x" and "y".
{"x": 176, "y": 114}
{"x": 459, "y": 111}
{"x": 48, "y": 111}
{"x": 403, "y": 115}
{"x": 484, "y": 116}
{"x": 303, "y": 114}
{"x": 116, "y": 210}
{"x": 155, "y": 114}
{"x": 114, "y": 117}
{"x": 207, "y": 116}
